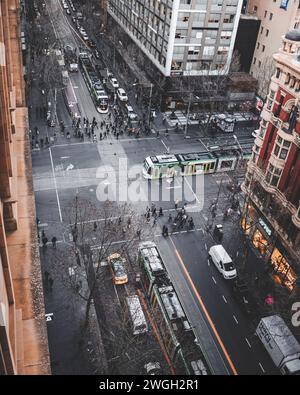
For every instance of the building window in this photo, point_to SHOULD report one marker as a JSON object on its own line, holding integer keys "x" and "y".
{"x": 273, "y": 175}
{"x": 282, "y": 270}
{"x": 281, "y": 148}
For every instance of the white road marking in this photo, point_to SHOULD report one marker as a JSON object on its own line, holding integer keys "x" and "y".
{"x": 55, "y": 185}
{"x": 167, "y": 148}
{"x": 224, "y": 298}
{"x": 64, "y": 157}
{"x": 235, "y": 319}
{"x": 262, "y": 368}
{"x": 43, "y": 225}
{"x": 206, "y": 246}
{"x": 175, "y": 187}
{"x": 214, "y": 280}
{"x": 208, "y": 262}
{"x": 248, "y": 342}
{"x": 116, "y": 292}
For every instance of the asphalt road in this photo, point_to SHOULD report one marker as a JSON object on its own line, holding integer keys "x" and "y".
{"x": 85, "y": 168}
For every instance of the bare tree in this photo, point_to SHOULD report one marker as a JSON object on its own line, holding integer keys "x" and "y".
{"x": 97, "y": 233}
{"x": 264, "y": 75}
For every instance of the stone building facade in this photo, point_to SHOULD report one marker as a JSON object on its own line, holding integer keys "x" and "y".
{"x": 23, "y": 334}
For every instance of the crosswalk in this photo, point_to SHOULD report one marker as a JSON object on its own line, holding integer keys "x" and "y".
{"x": 181, "y": 119}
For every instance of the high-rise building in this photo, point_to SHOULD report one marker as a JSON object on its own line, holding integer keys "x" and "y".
{"x": 277, "y": 17}
{"x": 271, "y": 215}
{"x": 181, "y": 37}
{"x": 23, "y": 334}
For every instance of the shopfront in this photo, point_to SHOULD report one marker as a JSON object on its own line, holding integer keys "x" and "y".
{"x": 283, "y": 273}
{"x": 262, "y": 237}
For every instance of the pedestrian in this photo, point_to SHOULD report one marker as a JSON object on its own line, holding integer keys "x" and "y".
{"x": 95, "y": 226}
{"x": 154, "y": 212}
{"x": 148, "y": 216}
{"x": 51, "y": 281}
{"x": 54, "y": 240}
{"x": 129, "y": 223}
{"x": 157, "y": 133}
{"x": 176, "y": 205}
{"x": 170, "y": 218}
{"x": 46, "y": 274}
{"x": 117, "y": 135}
{"x": 43, "y": 233}
{"x": 154, "y": 221}
{"x": 44, "y": 241}
{"x": 161, "y": 212}
{"x": 138, "y": 233}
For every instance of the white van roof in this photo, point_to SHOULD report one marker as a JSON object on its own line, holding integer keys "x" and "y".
{"x": 221, "y": 253}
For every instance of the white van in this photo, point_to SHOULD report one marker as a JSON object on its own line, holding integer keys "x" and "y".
{"x": 222, "y": 261}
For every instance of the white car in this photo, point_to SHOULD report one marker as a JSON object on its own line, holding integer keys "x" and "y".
{"x": 65, "y": 5}
{"x": 122, "y": 95}
{"x": 114, "y": 82}
{"x": 68, "y": 11}
{"x": 130, "y": 113}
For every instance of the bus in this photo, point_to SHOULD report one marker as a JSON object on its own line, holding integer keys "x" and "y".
{"x": 95, "y": 87}
{"x": 137, "y": 316}
{"x": 215, "y": 161}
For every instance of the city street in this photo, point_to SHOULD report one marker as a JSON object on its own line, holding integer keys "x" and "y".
{"x": 72, "y": 168}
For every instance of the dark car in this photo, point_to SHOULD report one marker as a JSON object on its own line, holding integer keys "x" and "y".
{"x": 92, "y": 43}
{"x": 243, "y": 294}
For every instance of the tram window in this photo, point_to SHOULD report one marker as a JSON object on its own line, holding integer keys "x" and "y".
{"x": 212, "y": 165}
{"x": 225, "y": 164}
{"x": 149, "y": 170}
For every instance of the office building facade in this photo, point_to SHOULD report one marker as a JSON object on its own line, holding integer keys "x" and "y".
{"x": 181, "y": 37}
{"x": 277, "y": 17}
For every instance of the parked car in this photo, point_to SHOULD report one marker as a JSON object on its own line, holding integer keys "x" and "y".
{"x": 74, "y": 20}
{"x": 152, "y": 368}
{"x": 97, "y": 54}
{"x": 122, "y": 95}
{"x": 118, "y": 269}
{"x": 114, "y": 82}
{"x": 92, "y": 43}
{"x": 68, "y": 11}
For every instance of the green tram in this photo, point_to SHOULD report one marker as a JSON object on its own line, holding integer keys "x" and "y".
{"x": 93, "y": 83}
{"x": 214, "y": 161}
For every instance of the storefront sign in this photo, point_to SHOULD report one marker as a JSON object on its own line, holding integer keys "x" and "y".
{"x": 265, "y": 227}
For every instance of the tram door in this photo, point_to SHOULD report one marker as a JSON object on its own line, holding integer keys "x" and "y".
{"x": 189, "y": 170}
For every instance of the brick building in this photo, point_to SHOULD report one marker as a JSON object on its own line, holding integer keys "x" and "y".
{"x": 23, "y": 334}
{"x": 271, "y": 216}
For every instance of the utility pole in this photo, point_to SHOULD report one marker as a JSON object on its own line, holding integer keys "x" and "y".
{"x": 150, "y": 100}
{"x": 188, "y": 116}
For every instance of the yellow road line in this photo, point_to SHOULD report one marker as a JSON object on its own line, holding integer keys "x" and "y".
{"x": 205, "y": 311}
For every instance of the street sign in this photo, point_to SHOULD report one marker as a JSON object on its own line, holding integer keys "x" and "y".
{"x": 49, "y": 317}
